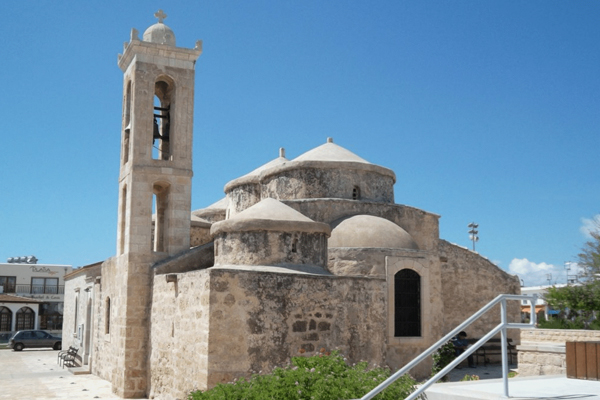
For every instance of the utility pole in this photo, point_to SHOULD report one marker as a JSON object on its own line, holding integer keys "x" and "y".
{"x": 473, "y": 233}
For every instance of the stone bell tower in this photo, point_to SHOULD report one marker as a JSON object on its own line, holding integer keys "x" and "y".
{"x": 154, "y": 187}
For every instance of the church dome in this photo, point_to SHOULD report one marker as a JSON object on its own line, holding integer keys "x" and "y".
{"x": 329, "y": 171}
{"x": 160, "y": 33}
{"x": 253, "y": 176}
{"x": 330, "y": 152}
{"x": 270, "y": 215}
{"x": 367, "y": 231}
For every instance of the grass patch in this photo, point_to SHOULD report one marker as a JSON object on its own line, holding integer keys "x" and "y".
{"x": 321, "y": 377}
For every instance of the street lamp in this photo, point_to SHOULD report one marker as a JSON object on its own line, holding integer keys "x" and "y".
{"x": 473, "y": 233}
{"x": 570, "y": 278}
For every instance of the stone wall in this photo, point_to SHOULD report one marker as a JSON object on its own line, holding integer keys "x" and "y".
{"x": 259, "y": 320}
{"x": 342, "y": 180}
{"x": 469, "y": 282}
{"x": 199, "y": 236}
{"x": 106, "y": 361}
{"x": 542, "y": 351}
{"x": 178, "y": 351}
{"x": 78, "y": 322}
{"x": 270, "y": 248}
{"x": 242, "y": 197}
{"x": 349, "y": 261}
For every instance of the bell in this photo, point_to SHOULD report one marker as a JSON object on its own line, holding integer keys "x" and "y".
{"x": 156, "y": 133}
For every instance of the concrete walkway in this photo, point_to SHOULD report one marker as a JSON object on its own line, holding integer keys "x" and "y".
{"x": 33, "y": 374}
{"x": 537, "y": 387}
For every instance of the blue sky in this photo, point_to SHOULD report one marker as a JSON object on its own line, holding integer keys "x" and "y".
{"x": 487, "y": 111}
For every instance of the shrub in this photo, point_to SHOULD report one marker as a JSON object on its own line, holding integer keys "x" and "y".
{"x": 442, "y": 357}
{"x": 470, "y": 378}
{"x": 320, "y": 377}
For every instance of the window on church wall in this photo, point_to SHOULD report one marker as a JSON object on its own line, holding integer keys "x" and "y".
{"x": 356, "y": 193}
{"x": 5, "y": 319}
{"x": 161, "y": 133}
{"x": 123, "y": 219}
{"x": 127, "y": 124}
{"x": 160, "y": 206}
{"x": 407, "y": 303}
{"x": 75, "y": 318}
{"x": 25, "y": 319}
{"x": 107, "y": 316}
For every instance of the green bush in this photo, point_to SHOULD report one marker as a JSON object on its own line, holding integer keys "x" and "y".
{"x": 320, "y": 377}
{"x": 575, "y": 323}
{"x": 442, "y": 357}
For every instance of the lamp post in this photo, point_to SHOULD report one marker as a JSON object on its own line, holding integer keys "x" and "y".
{"x": 473, "y": 233}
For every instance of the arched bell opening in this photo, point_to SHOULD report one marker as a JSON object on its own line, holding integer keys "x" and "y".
{"x": 127, "y": 125}
{"x": 161, "y": 134}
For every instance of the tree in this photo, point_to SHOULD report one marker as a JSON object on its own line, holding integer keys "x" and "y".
{"x": 589, "y": 258}
{"x": 582, "y": 300}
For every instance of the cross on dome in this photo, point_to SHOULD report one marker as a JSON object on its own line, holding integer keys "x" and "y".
{"x": 160, "y": 14}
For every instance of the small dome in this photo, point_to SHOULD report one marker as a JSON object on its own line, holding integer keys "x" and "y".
{"x": 367, "y": 231}
{"x": 160, "y": 33}
{"x": 270, "y": 215}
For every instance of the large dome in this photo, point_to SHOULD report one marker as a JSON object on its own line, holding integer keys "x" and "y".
{"x": 367, "y": 231}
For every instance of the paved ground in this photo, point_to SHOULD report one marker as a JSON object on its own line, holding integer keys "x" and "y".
{"x": 556, "y": 387}
{"x": 33, "y": 374}
{"x": 491, "y": 371}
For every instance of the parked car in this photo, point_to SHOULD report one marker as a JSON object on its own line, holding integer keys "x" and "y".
{"x": 30, "y": 339}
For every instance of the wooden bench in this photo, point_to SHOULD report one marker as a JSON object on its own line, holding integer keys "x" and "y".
{"x": 493, "y": 347}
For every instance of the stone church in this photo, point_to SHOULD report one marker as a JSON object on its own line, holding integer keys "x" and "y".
{"x": 300, "y": 255}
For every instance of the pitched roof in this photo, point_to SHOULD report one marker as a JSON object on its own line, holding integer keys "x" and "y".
{"x": 9, "y": 298}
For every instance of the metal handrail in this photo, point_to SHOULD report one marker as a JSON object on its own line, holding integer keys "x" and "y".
{"x": 504, "y": 324}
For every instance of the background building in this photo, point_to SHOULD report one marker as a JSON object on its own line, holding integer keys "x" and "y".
{"x": 33, "y": 295}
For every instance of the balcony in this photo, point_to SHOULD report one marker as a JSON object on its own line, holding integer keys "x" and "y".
{"x": 33, "y": 289}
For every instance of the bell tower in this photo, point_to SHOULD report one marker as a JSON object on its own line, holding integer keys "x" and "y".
{"x": 154, "y": 188}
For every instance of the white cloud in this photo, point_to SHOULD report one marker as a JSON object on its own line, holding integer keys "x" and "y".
{"x": 590, "y": 225}
{"x": 536, "y": 274}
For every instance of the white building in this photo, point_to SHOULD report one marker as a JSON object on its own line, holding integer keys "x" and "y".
{"x": 32, "y": 294}
{"x": 541, "y": 304}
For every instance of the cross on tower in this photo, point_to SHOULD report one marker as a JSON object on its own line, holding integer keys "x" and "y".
{"x": 160, "y": 15}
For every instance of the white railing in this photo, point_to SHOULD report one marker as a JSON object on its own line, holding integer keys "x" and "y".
{"x": 502, "y": 327}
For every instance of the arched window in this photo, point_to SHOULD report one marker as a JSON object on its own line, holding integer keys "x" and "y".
{"x": 5, "y": 319}
{"x": 107, "y": 316}
{"x": 161, "y": 223}
{"x": 127, "y": 123}
{"x": 407, "y": 303}
{"x": 355, "y": 193}
{"x": 123, "y": 220}
{"x": 25, "y": 319}
{"x": 161, "y": 136}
